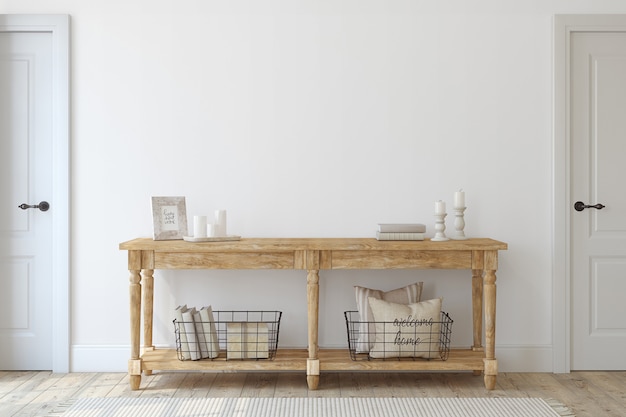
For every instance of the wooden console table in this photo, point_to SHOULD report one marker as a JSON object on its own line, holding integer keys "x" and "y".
{"x": 478, "y": 255}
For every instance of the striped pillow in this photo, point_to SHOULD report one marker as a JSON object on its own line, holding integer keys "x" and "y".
{"x": 405, "y": 295}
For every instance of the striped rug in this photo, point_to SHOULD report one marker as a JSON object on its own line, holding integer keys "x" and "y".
{"x": 314, "y": 407}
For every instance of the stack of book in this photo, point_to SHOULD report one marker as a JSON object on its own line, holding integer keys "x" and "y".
{"x": 247, "y": 341}
{"x": 401, "y": 231}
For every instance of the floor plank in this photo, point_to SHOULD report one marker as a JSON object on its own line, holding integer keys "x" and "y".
{"x": 356, "y": 385}
{"x": 290, "y": 385}
{"x": 195, "y": 384}
{"x": 259, "y": 384}
{"x": 21, "y": 390}
{"x": 101, "y": 385}
{"x": 53, "y": 390}
{"x": 228, "y": 385}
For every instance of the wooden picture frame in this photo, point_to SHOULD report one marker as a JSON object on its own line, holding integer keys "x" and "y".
{"x": 169, "y": 217}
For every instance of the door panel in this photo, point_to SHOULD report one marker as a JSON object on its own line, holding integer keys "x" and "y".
{"x": 598, "y": 261}
{"x": 608, "y": 289}
{"x": 14, "y": 124}
{"x": 25, "y": 235}
{"x": 609, "y": 142}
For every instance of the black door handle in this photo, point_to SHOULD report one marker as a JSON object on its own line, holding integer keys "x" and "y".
{"x": 43, "y": 206}
{"x": 580, "y": 206}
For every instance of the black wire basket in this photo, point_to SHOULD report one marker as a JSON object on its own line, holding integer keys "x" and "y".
{"x": 411, "y": 342}
{"x": 234, "y": 335}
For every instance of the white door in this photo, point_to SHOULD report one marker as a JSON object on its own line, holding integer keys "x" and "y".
{"x": 598, "y": 176}
{"x": 26, "y": 132}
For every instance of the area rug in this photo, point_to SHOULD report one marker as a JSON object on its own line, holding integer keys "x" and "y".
{"x": 315, "y": 407}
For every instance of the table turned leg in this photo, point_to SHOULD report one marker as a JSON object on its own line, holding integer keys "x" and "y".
{"x": 147, "y": 284}
{"x": 491, "y": 364}
{"x": 134, "y": 363}
{"x": 477, "y": 308}
{"x": 477, "y": 312}
{"x": 313, "y": 362}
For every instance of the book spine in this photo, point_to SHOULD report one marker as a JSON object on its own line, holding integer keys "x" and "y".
{"x": 201, "y": 336}
{"x": 190, "y": 331}
{"x": 399, "y": 236}
{"x": 182, "y": 334}
{"x": 210, "y": 332}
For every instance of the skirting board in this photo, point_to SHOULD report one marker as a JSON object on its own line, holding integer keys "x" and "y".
{"x": 99, "y": 358}
{"x": 525, "y": 358}
{"x": 114, "y": 358}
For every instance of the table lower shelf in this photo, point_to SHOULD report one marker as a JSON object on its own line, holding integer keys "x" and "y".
{"x": 296, "y": 360}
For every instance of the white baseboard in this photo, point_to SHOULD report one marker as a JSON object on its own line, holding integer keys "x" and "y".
{"x": 114, "y": 358}
{"x": 99, "y": 358}
{"x": 523, "y": 358}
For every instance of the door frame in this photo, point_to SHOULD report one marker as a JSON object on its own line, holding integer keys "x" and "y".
{"x": 59, "y": 27}
{"x": 564, "y": 27}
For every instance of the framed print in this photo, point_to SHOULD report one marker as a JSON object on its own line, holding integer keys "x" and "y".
{"x": 169, "y": 215}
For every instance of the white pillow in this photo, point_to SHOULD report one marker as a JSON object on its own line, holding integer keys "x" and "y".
{"x": 406, "y": 330}
{"x": 405, "y": 295}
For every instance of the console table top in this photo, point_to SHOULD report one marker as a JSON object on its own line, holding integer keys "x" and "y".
{"x": 321, "y": 244}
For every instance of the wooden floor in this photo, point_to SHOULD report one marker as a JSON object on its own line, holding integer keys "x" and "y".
{"x": 588, "y": 394}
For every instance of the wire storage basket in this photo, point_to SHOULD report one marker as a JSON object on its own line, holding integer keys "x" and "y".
{"x": 233, "y": 335}
{"x": 396, "y": 341}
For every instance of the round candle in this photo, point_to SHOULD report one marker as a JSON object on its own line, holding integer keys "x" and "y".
{"x": 440, "y": 207}
{"x": 459, "y": 199}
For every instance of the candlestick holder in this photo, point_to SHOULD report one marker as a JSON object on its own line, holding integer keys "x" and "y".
{"x": 459, "y": 223}
{"x": 440, "y": 227}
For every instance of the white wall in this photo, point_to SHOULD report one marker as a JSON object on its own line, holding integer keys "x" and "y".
{"x": 311, "y": 118}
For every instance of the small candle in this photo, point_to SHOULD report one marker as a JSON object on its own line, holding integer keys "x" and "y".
{"x": 459, "y": 199}
{"x": 210, "y": 230}
{"x": 440, "y": 207}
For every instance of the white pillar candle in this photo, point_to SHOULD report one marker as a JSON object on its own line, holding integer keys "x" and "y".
{"x": 220, "y": 222}
{"x": 210, "y": 230}
{"x": 440, "y": 207}
{"x": 459, "y": 199}
{"x": 199, "y": 226}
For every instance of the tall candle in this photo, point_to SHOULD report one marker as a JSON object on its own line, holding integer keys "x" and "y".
{"x": 459, "y": 199}
{"x": 440, "y": 207}
{"x": 220, "y": 222}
